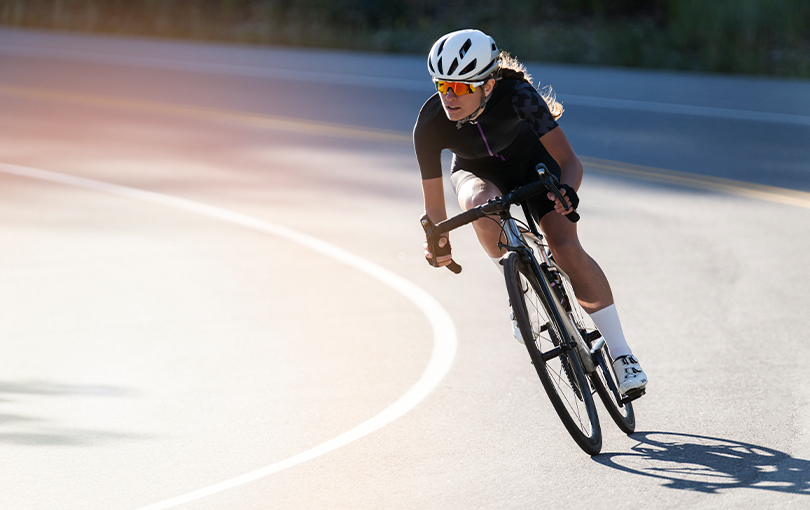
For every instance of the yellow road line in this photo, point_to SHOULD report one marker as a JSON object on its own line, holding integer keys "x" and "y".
{"x": 703, "y": 182}
{"x": 716, "y": 184}
{"x": 210, "y": 114}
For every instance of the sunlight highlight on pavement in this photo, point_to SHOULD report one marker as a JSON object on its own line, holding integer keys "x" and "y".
{"x": 444, "y": 331}
{"x": 209, "y": 114}
{"x": 696, "y": 181}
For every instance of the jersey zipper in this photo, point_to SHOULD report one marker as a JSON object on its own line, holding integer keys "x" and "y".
{"x": 487, "y": 143}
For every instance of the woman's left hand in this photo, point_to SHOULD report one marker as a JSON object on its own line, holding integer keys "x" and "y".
{"x": 571, "y": 199}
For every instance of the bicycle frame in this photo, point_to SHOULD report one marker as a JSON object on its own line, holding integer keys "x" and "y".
{"x": 515, "y": 241}
{"x": 574, "y": 378}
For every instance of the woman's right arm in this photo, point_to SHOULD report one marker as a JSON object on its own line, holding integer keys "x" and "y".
{"x": 435, "y": 208}
{"x": 433, "y": 192}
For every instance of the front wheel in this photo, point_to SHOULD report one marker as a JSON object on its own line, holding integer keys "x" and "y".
{"x": 554, "y": 359}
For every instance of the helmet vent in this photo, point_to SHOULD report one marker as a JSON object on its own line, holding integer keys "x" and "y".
{"x": 464, "y": 49}
{"x": 469, "y": 68}
{"x": 441, "y": 46}
{"x": 439, "y": 65}
{"x": 430, "y": 66}
{"x": 494, "y": 48}
{"x": 453, "y": 66}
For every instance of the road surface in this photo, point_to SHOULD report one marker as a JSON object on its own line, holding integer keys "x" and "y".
{"x": 211, "y": 265}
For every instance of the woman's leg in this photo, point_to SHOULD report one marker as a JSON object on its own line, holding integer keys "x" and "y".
{"x": 594, "y": 294}
{"x": 590, "y": 283}
{"x": 473, "y": 191}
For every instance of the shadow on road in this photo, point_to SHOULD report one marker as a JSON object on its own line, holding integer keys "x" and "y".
{"x": 44, "y": 422}
{"x": 709, "y": 464}
{"x": 39, "y": 387}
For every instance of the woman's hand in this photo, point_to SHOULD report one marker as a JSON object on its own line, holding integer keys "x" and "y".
{"x": 570, "y": 197}
{"x": 443, "y": 256}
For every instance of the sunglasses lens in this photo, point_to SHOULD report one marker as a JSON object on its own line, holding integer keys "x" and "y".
{"x": 458, "y": 88}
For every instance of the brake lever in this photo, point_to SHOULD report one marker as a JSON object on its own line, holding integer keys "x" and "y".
{"x": 550, "y": 181}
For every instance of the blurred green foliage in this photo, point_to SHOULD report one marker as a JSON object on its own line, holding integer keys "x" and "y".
{"x": 738, "y": 36}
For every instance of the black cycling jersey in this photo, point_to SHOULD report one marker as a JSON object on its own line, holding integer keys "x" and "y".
{"x": 500, "y": 142}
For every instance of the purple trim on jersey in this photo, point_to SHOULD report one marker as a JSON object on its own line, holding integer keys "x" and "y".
{"x": 487, "y": 143}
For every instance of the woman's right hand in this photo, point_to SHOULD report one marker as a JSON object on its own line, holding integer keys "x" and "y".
{"x": 443, "y": 256}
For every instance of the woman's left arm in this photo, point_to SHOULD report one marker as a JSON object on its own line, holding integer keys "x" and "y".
{"x": 556, "y": 143}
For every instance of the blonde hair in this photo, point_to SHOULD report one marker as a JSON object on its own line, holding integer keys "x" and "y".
{"x": 507, "y": 61}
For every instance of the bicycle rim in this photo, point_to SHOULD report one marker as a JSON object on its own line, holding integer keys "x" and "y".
{"x": 563, "y": 379}
{"x": 604, "y": 380}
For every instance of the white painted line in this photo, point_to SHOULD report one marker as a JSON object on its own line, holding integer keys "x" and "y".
{"x": 397, "y": 83}
{"x": 444, "y": 331}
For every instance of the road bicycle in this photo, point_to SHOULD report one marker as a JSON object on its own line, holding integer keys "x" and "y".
{"x": 567, "y": 350}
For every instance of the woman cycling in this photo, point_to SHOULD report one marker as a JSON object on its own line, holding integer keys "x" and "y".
{"x": 498, "y": 127}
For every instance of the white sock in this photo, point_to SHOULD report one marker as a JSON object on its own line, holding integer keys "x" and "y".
{"x": 607, "y": 320}
{"x": 497, "y": 262}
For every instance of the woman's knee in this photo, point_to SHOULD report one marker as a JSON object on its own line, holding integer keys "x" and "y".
{"x": 476, "y": 192}
{"x": 566, "y": 248}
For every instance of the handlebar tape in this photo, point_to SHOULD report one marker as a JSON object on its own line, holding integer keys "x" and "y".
{"x": 454, "y": 267}
{"x": 458, "y": 221}
{"x": 527, "y": 191}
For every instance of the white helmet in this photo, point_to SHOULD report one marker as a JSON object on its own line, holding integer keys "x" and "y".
{"x": 465, "y": 55}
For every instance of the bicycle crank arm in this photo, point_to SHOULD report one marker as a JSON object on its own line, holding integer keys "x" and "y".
{"x": 633, "y": 395}
{"x": 598, "y": 345}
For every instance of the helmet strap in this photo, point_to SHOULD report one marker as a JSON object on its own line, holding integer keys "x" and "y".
{"x": 478, "y": 111}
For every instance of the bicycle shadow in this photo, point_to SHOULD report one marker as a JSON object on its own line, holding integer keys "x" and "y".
{"x": 709, "y": 464}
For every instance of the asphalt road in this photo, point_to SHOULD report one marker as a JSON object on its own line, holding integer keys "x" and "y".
{"x": 269, "y": 295}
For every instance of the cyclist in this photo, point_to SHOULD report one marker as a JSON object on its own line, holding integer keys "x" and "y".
{"x": 499, "y": 127}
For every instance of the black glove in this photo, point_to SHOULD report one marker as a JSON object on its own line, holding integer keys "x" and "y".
{"x": 571, "y": 194}
{"x": 436, "y": 250}
{"x": 433, "y": 245}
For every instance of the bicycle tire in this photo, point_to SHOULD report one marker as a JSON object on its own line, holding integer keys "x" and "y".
{"x": 603, "y": 378}
{"x": 562, "y": 376}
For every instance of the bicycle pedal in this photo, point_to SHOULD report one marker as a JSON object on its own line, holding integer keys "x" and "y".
{"x": 633, "y": 395}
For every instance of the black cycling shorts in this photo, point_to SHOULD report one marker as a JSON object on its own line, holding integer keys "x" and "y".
{"x": 507, "y": 179}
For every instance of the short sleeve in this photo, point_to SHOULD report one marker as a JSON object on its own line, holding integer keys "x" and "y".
{"x": 530, "y": 106}
{"x": 428, "y": 149}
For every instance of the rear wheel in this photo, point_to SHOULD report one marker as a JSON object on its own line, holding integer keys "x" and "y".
{"x": 603, "y": 378}
{"x": 554, "y": 359}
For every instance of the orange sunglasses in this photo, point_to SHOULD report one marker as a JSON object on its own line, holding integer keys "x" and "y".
{"x": 459, "y": 88}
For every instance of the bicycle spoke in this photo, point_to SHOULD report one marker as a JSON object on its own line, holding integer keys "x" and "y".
{"x": 547, "y": 337}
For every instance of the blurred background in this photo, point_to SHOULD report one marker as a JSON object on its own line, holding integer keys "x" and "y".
{"x": 730, "y": 36}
